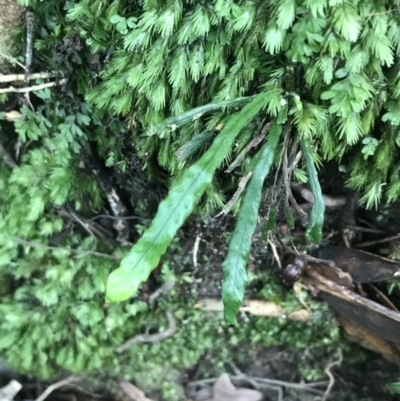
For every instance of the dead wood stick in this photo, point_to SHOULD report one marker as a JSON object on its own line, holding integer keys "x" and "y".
{"x": 309, "y": 387}
{"x": 309, "y": 258}
{"x": 55, "y": 386}
{"x": 12, "y": 60}
{"x": 7, "y": 157}
{"x": 378, "y": 241}
{"x": 32, "y": 88}
{"x": 330, "y": 375}
{"x": 151, "y": 338}
{"x": 21, "y": 77}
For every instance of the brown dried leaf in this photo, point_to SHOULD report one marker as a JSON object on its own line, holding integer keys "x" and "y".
{"x": 258, "y": 308}
{"x": 224, "y": 390}
{"x": 133, "y": 392}
{"x": 363, "y": 267}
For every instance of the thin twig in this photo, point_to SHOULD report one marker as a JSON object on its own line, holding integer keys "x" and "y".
{"x": 241, "y": 187}
{"x": 151, "y": 338}
{"x": 55, "y": 386}
{"x": 84, "y": 224}
{"x": 55, "y": 248}
{"x": 11, "y": 59}
{"x": 309, "y": 387}
{"x": 378, "y": 241}
{"x": 196, "y": 250}
{"x": 274, "y": 251}
{"x": 309, "y": 258}
{"x": 238, "y": 372}
{"x": 7, "y": 157}
{"x": 253, "y": 143}
{"x": 286, "y": 182}
{"x": 329, "y": 201}
{"x": 163, "y": 290}
{"x": 330, "y": 375}
{"x": 256, "y": 385}
{"x": 109, "y": 216}
{"x": 32, "y": 88}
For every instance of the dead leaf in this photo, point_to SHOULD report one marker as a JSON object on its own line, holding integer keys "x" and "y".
{"x": 364, "y": 267}
{"x": 256, "y": 307}
{"x": 133, "y": 392}
{"x": 224, "y": 390}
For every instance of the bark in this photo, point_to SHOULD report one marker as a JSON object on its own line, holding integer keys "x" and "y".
{"x": 10, "y": 21}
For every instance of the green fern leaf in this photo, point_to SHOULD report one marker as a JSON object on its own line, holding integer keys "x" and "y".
{"x": 173, "y": 123}
{"x": 136, "y": 267}
{"x": 314, "y": 229}
{"x": 235, "y": 274}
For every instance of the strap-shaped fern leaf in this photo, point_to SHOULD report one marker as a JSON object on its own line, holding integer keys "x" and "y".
{"x": 314, "y": 229}
{"x": 235, "y": 273}
{"x": 173, "y": 123}
{"x": 137, "y": 265}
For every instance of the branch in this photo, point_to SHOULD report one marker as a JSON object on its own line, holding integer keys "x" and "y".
{"x": 330, "y": 375}
{"x": 12, "y": 60}
{"x": 21, "y": 77}
{"x": 32, "y": 88}
{"x": 55, "y": 386}
{"x": 151, "y": 338}
{"x": 6, "y": 157}
{"x": 309, "y": 387}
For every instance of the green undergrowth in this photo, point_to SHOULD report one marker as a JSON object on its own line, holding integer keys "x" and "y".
{"x": 54, "y": 322}
{"x": 173, "y": 92}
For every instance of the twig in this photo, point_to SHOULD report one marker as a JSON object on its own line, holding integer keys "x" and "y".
{"x": 21, "y": 77}
{"x": 256, "y": 385}
{"x": 309, "y": 258}
{"x": 241, "y": 186}
{"x": 151, "y": 338}
{"x": 378, "y": 241}
{"x": 238, "y": 372}
{"x": 7, "y": 158}
{"x": 309, "y": 387}
{"x": 55, "y": 386}
{"x": 37, "y": 245}
{"x": 253, "y": 143}
{"x": 274, "y": 251}
{"x": 164, "y": 289}
{"x": 330, "y": 375}
{"x": 196, "y": 250}
{"x": 286, "y": 182}
{"x": 11, "y": 59}
{"x": 109, "y": 216}
{"x": 32, "y": 88}
{"x": 329, "y": 201}
{"x": 84, "y": 224}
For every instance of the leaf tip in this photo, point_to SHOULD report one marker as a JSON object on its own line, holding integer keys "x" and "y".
{"x": 117, "y": 289}
{"x": 230, "y": 315}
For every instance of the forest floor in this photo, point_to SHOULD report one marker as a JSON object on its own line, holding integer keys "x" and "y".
{"x": 279, "y": 359}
